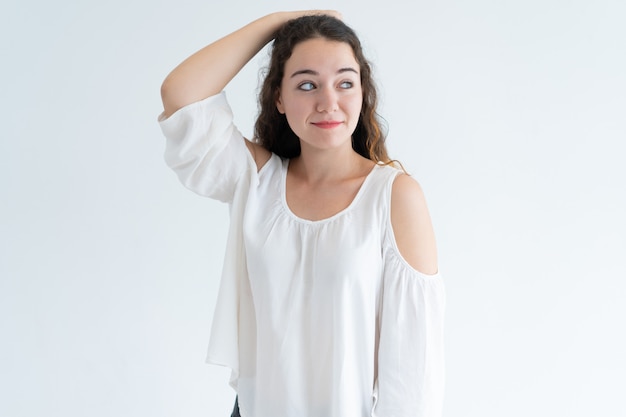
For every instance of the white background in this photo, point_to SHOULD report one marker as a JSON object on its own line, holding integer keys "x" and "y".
{"x": 512, "y": 115}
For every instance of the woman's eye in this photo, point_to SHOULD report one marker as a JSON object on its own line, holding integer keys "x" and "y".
{"x": 346, "y": 84}
{"x": 306, "y": 86}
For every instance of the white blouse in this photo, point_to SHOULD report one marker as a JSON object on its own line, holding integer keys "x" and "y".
{"x": 315, "y": 318}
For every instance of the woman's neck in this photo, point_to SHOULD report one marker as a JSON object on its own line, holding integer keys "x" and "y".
{"x": 322, "y": 166}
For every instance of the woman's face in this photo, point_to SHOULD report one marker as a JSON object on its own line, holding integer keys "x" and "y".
{"x": 321, "y": 94}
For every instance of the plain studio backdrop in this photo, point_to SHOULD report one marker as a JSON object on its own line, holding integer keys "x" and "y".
{"x": 511, "y": 114}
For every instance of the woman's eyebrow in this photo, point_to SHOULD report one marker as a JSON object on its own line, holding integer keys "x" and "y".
{"x": 347, "y": 69}
{"x": 312, "y": 72}
{"x": 305, "y": 71}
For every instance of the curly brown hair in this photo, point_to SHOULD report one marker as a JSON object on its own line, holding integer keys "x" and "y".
{"x": 271, "y": 129}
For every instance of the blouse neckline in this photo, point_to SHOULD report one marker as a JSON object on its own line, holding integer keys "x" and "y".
{"x": 340, "y": 213}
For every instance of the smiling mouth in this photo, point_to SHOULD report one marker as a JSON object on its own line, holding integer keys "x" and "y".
{"x": 327, "y": 125}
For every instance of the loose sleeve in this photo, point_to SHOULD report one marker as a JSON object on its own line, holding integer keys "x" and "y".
{"x": 410, "y": 381}
{"x": 205, "y": 149}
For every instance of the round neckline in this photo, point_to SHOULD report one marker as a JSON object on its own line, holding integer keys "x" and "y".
{"x": 283, "y": 196}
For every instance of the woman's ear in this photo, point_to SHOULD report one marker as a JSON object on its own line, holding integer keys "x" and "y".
{"x": 279, "y": 103}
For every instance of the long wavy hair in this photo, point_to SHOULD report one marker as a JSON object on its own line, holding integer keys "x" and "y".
{"x": 271, "y": 129}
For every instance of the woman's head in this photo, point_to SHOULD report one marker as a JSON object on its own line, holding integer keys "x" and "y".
{"x": 271, "y": 128}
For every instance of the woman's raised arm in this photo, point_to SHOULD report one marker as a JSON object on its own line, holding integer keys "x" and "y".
{"x": 207, "y": 72}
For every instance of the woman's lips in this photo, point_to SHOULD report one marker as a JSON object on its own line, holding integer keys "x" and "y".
{"x": 327, "y": 124}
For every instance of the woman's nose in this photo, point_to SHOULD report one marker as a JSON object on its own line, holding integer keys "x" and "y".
{"x": 327, "y": 101}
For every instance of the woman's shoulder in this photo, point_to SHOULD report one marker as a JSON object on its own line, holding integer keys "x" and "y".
{"x": 411, "y": 224}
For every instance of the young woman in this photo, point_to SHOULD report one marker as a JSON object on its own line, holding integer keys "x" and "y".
{"x": 330, "y": 303}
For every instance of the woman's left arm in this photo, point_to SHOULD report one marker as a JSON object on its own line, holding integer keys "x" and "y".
{"x": 410, "y": 373}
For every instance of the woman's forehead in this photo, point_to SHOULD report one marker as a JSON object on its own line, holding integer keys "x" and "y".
{"x": 321, "y": 52}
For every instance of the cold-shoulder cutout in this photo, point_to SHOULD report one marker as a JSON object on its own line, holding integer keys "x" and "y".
{"x": 411, "y": 225}
{"x": 259, "y": 154}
